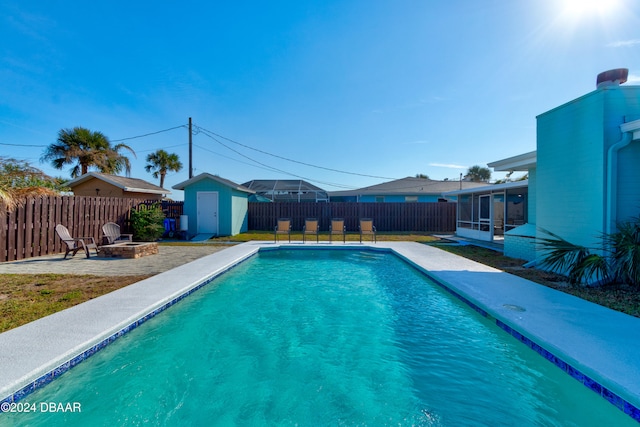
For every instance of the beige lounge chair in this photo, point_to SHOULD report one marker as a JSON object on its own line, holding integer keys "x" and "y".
{"x": 283, "y": 227}
{"x": 337, "y": 227}
{"x": 74, "y": 244}
{"x": 311, "y": 226}
{"x": 111, "y": 232}
{"x": 367, "y": 227}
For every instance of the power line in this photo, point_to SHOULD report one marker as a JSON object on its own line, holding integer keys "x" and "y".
{"x": 148, "y": 134}
{"x": 206, "y": 132}
{"x": 112, "y": 140}
{"x": 22, "y": 145}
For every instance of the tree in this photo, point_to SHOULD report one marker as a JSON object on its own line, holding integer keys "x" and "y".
{"x": 162, "y": 162}
{"x": 18, "y": 179}
{"x": 87, "y": 149}
{"x": 421, "y": 175}
{"x": 478, "y": 174}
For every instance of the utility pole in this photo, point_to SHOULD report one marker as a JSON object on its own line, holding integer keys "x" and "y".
{"x": 190, "y": 149}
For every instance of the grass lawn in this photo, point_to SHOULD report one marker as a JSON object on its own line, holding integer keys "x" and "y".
{"x": 27, "y": 297}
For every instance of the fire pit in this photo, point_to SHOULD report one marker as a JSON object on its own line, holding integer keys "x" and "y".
{"x": 129, "y": 249}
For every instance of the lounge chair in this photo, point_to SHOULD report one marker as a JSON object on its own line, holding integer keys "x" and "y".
{"x": 311, "y": 226}
{"x": 111, "y": 232}
{"x": 283, "y": 227}
{"x": 367, "y": 227}
{"x": 337, "y": 227}
{"x": 74, "y": 244}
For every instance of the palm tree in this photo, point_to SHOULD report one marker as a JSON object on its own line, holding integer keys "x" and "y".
{"x": 162, "y": 162}
{"x": 478, "y": 174}
{"x": 87, "y": 149}
{"x": 18, "y": 180}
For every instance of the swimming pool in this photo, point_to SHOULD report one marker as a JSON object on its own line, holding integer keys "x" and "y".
{"x": 353, "y": 338}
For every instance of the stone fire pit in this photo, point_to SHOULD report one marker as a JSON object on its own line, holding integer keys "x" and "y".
{"x": 129, "y": 249}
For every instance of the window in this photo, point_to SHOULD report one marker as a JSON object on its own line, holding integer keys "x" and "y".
{"x": 379, "y": 199}
{"x": 410, "y": 199}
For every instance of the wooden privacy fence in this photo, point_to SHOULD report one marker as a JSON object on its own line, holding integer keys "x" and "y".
{"x": 426, "y": 217}
{"x": 29, "y": 230}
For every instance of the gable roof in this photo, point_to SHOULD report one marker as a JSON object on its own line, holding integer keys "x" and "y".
{"x": 223, "y": 181}
{"x": 131, "y": 185}
{"x": 409, "y": 186}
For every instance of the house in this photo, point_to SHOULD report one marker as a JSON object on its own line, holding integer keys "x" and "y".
{"x": 486, "y": 213}
{"x": 403, "y": 190}
{"x": 214, "y": 205}
{"x": 106, "y": 185}
{"x": 584, "y": 175}
{"x": 286, "y": 190}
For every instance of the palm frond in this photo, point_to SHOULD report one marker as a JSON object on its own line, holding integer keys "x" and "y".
{"x": 574, "y": 261}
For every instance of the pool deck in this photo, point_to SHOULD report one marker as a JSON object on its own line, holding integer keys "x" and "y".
{"x": 602, "y": 344}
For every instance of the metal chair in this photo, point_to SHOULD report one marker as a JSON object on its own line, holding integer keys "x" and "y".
{"x": 282, "y": 227}
{"x": 337, "y": 227}
{"x": 311, "y": 226}
{"x": 367, "y": 227}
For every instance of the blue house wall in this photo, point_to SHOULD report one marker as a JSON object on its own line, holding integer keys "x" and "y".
{"x": 572, "y": 175}
{"x": 399, "y": 198}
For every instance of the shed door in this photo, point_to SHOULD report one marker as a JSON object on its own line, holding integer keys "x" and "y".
{"x": 208, "y": 212}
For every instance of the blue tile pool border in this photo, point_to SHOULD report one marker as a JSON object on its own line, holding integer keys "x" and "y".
{"x": 588, "y": 382}
{"x": 66, "y": 366}
{"x": 617, "y": 401}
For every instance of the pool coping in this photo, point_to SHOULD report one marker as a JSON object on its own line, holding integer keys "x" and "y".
{"x": 594, "y": 344}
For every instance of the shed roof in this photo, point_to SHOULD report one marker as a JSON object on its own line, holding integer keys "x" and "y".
{"x": 409, "y": 186}
{"x": 132, "y": 185}
{"x": 223, "y": 181}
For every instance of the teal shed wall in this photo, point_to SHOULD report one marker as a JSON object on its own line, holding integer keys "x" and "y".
{"x": 232, "y": 207}
{"x": 571, "y": 174}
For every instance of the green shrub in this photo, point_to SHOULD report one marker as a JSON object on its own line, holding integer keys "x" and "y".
{"x": 147, "y": 223}
{"x": 619, "y": 263}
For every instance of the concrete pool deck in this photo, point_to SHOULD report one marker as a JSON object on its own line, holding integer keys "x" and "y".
{"x": 600, "y": 345}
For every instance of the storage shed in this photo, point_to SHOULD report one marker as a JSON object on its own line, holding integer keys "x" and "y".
{"x": 214, "y": 205}
{"x": 106, "y": 185}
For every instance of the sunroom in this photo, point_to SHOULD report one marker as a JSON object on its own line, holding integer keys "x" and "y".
{"x": 486, "y": 213}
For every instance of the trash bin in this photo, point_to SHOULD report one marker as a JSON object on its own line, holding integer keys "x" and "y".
{"x": 184, "y": 222}
{"x": 169, "y": 224}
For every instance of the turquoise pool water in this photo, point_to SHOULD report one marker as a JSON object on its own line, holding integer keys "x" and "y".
{"x": 320, "y": 337}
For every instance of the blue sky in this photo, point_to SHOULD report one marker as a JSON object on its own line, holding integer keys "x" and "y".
{"x": 380, "y": 89}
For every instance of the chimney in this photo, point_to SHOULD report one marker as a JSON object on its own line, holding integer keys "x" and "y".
{"x": 612, "y": 77}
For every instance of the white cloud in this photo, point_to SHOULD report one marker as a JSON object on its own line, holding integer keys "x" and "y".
{"x": 624, "y": 43}
{"x": 447, "y": 165}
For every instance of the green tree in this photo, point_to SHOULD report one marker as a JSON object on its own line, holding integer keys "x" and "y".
{"x": 86, "y": 149}
{"x": 421, "y": 175}
{"x": 478, "y": 174}
{"x": 18, "y": 179}
{"x": 162, "y": 162}
{"x": 147, "y": 222}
